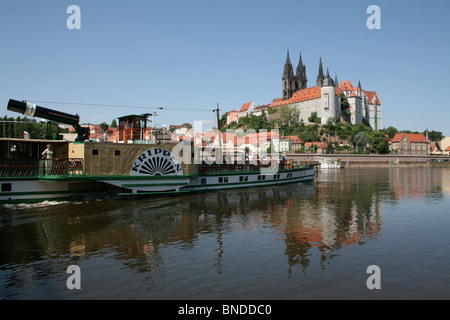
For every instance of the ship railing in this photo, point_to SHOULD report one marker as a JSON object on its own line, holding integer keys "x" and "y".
{"x": 61, "y": 167}
{"x": 19, "y": 167}
{"x": 35, "y": 168}
{"x": 248, "y": 167}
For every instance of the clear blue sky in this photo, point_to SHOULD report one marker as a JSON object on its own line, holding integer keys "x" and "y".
{"x": 187, "y": 56}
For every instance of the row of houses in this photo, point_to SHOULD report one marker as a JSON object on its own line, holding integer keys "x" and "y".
{"x": 402, "y": 143}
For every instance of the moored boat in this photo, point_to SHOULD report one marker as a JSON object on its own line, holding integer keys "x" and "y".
{"x": 326, "y": 163}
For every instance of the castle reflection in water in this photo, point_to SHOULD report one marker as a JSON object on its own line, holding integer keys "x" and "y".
{"x": 340, "y": 210}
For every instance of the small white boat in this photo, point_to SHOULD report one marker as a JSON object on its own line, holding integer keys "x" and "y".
{"x": 326, "y": 163}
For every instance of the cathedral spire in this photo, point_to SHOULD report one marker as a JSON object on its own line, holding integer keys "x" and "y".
{"x": 300, "y": 75}
{"x": 320, "y": 76}
{"x": 288, "y": 71}
{"x": 288, "y": 79}
{"x": 336, "y": 80}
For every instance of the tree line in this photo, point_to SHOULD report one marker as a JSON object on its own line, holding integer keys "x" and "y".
{"x": 15, "y": 127}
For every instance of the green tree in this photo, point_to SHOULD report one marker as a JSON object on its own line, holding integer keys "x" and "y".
{"x": 391, "y": 131}
{"x": 113, "y": 124}
{"x": 345, "y": 106}
{"x": 360, "y": 127}
{"x": 343, "y": 130}
{"x": 434, "y": 135}
{"x": 313, "y": 118}
{"x": 361, "y": 139}
{"x": 379, "y": 141}
{"x": 223, "y": 121}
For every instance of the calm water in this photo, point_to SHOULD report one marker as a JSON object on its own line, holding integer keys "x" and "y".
{"x": 311, "y": 241}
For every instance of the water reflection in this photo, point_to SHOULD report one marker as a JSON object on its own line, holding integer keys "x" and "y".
{"x": 299, "y": 224}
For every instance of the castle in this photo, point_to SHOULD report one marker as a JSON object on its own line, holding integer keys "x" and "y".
{"x": 324, "y": 98}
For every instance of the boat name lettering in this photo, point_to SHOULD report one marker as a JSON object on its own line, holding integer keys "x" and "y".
{"x": 156, "y": 162}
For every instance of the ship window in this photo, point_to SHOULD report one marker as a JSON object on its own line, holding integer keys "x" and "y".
{"x": 117, "y": 152}
{"x": 225, "y": 179}
{"x": 95, "y": 152}
{"x": 6, "y": 187}
{"x": 241, "y": 178}
{"x": 220, "y": 179}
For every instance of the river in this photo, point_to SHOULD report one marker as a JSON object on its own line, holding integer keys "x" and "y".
{"x": 298, "y": 241}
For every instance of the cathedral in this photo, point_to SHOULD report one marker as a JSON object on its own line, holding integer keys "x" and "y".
{"x": 324, "y": 98}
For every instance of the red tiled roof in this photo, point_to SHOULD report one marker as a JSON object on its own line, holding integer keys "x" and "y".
{"x": 322, "y": 145}
{"x": 370, "y": 95}
{"x": 447, "y": 149}
{"x": 346, "y": 86}
{"x": 301, "y": 95}
{"x": 306, "y": 94}
{"x": 279, "y": 102}
{"x": 245, "y": 106}
{"x": 412, "y": 137}
{"x": 295, "y": 139}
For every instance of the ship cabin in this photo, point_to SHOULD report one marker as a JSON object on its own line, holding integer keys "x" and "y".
{"x": 133, "y": 128}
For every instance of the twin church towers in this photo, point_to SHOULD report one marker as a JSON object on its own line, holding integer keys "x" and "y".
{"x": 293, "y": 83}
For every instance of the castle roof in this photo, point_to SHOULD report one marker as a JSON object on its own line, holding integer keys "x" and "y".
{"x": 301, "y": 95}
{"x": 346, "y": 85}
{"x": 370, "y": 95}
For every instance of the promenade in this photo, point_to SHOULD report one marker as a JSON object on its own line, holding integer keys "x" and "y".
{"x": 369, "y": 160}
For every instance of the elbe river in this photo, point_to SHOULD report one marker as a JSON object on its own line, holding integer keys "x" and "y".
{"x": 299, "y": 241}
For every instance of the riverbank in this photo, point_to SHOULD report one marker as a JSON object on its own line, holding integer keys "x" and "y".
{"x": 369, "y": 160}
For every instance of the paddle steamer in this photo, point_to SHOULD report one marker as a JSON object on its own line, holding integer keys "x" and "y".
{"x": 124, "y": 169}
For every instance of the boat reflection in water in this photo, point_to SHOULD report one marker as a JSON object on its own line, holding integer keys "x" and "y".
{"x": 311, "y": 240}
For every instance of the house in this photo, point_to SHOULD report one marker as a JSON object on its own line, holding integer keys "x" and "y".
{"x": 410, "y": 144}
{"x": 180, "y": 130}
{"x": 447, "y": 151}
{"x": 259, "y": 110}
{"x": 434, "y": 149}
{"x": 246, "y": 109}
{"x": 321, "y": 147}
{"x": 296, "y": 142}
{"x": 232, "y": 116}
{"x": 291, "y": 143}
{"x": 445, "y": 144}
